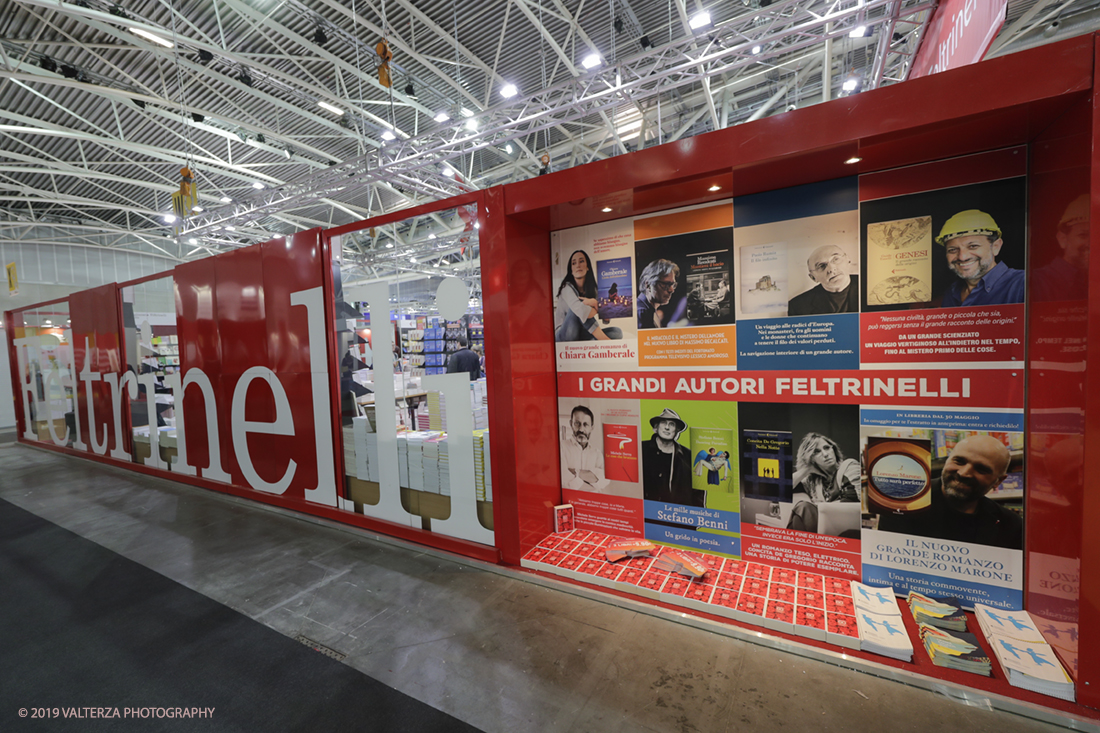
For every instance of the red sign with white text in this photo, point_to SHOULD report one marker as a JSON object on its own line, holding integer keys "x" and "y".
{"x": 991, "y": 333}
{"x": 959, "y": 34}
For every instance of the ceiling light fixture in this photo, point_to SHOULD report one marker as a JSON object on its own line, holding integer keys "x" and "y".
{"x": 230, "y": 228}
{"x": 508, "y": 91}
{"x": 431, "y": 236}
{"x": 197, "y": 209}
{"x": 591, "y": 61}
{"x": 389, "y": 245}
{"x": 244, "y": 78}
{"x": 442, "y": 117}
{"x": 257, "y": 185}
{"x": 699, "y": 20}
{"x": 169, "y": 218}
{"x": 756, "y": 50}
{"x": 319, "y": 36}
{"x": 508, "y": 148}
{"x": 471, "y": 124}
{"x": 152, "y": 37}
{"x": 192, "y": 240}
{"x": 388, "y": 135}
{"x": 851, "y": 83}
{"x": 410, "y": 92}
{"x": 226, "y": 199}
{"x": 330, "y": 107}
{"x": 447, "y": 170}
{"x": 858, "y": 32}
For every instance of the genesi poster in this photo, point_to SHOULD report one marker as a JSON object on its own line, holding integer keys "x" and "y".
{"x": 824, "y": 377}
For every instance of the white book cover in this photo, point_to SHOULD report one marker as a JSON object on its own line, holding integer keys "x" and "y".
{"x": 1015, "y": 624}
{"x": 884, "y": 634}
{"x": 876, "y": 599}
{"x": 1034, "y": 660}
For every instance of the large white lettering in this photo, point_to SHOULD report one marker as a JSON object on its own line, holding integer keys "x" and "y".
{"x": 283, "y": 424}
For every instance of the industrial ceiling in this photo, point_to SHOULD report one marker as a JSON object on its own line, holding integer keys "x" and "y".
{"x": 277, "y": 106}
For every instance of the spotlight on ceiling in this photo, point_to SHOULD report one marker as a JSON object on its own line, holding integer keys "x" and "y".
{"x": 508, "y": 91}
{"x": 230, "y": 228}
{"x": 756, "y": 50}
{"x": 645, "y": 42}
{"x": 47, "y": 63}
{"x": 140, "y": 104}
{"x": 257, "y": 185}
{"x": 319, "y": 36}
{"x": 471, "y": 124}
{"x": 205, "y": 57}
{"x": 388, "y": 135}
{"x": 169, "y": 218}
{"x": 508, "y": 148}
{"x": 226, "y": 199}
{"x": 858, "y": 32}
{"x": 699, "y": 20}
{"x": 244, "y": 78}
{"x": 410, "y": 92}
{"x": 441, "y": 117}
{"x": 152, "y": 37}
{"x": 330, "y": 107}
{"x": 197, "y": 209}
{"x": 447, "y": 171}
{"x": 851, "y": 84}
{"x": 591, "y": 61}
{"x": 197, "y": 117}
{"x": 260, "y": 138}
{"x": 192, "y": 240}
{"x": 69, "y": 72}
{"x": 618, "y": 25}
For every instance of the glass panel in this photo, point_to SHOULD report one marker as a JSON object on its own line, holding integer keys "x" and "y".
{"x": 409, "y": 321}
{"x": 152, "y": 352}
{"x": 44, "y": 364}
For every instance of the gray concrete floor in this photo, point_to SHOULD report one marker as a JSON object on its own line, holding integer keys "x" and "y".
{"x": 492, "y": 649}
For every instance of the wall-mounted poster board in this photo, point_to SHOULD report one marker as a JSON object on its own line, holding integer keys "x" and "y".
{"x": 824, "y": 377}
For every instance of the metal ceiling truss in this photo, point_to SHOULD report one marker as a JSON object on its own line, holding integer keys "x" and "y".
{"x": 96, "y": 140}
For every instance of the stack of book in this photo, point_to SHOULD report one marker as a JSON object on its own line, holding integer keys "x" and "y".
{"x": 402, "y": 458}
{"x": 437, "y": 411}
{"x": 482, "y": 480}
{"x": 681, "y": 562}
{"x": 955, "y": 650}
{"x": 881, "y": 628}
{"x": 430, "y": 451}
{"x": 444, "y": 468}
{"x": 1062, "y": 635}
{"x": 1029, "y": 662}
{"x": 943, "y": 613}
{"x": 616, "y": 550}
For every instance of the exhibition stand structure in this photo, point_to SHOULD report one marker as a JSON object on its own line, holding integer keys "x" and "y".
{"x": 848, "y": 341}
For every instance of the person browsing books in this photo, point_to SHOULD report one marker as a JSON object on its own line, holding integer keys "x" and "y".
{"x": 575, "y": 316}
{"x": 464, "y": 360}
{"x": 836, "y": 291}
{"x": 972, "y": 240}
{"x": 960, "y": 510}
{"x": 582, "y": 461}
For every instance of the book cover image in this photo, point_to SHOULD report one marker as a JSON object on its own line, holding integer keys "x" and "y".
{"x": 899, "y": 261}
{"x": 711, "y": 450}
{"x": 762, "y": 283}
{"x": 709, "y": 299}
{"x": 767, "y": 464}
{"x": 620, "y": 451}
{"x": 899, "y": 474}
{"x": 614, "y": 283}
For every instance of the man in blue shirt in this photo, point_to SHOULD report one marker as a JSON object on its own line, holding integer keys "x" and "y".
{"x": 972, "y": 240}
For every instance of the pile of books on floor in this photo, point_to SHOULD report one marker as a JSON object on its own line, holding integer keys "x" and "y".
{"x": 802, "y": 603}
{"x": 881, "y": 628}
{"x": 1029, "y": 662}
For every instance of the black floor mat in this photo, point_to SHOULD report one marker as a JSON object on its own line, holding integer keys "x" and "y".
{"x": 86, "y": 632}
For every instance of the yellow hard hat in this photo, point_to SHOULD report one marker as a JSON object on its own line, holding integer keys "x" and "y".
{"x": 966, "y": 223}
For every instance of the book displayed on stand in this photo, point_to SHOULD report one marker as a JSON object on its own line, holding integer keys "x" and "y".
{"x": 1030, "y": 663}
{"x": 881, "y": 627}
{"x": 955, "y": 650}
{"x": 943, "y": 613}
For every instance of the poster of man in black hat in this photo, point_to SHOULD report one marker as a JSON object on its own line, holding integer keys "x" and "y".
{"x": 666, "y": 465}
